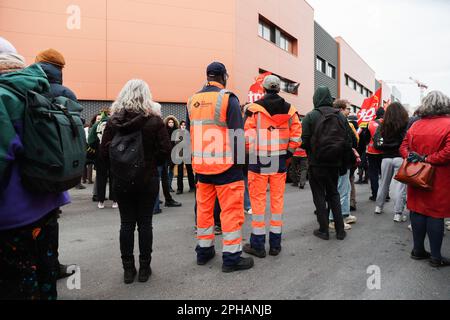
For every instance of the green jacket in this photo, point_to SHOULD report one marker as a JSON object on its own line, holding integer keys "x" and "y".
{"x": 12, "y": 110}
{"x": 322, "y": 99}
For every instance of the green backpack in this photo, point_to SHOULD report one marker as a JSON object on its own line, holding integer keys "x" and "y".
{"x": 54, "y": 143}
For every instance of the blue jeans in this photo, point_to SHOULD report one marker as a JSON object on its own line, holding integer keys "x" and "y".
{"x": 344, "y": 189}
{"x": 247, "y": 203}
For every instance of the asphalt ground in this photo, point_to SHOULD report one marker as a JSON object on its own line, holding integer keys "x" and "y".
{"x": 308, "y": 268}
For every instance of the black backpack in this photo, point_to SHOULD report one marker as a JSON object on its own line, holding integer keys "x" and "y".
{"x": 378, "y": 140}
{"x": 329, "y": 140}
{"x": 126, "y": 154}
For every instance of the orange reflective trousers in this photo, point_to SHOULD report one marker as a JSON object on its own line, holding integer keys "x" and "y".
{"x": 257, "y": 184}
{"x": 231, "y": 199}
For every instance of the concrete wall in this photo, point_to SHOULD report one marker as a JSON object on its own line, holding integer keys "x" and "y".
{"x": 254, "y": 53}
{"x": 168, "y": 43}
{"x": 353, "y": 65}
{"x": 325, "y": 46}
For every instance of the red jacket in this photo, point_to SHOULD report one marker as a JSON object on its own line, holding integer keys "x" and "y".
{"x": 431, "y": 137}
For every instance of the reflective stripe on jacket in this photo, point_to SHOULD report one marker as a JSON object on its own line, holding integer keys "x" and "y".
{"x": 210, "y": 139}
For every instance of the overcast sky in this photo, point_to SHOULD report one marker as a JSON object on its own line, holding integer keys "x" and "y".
{"x": 397, "y": 38}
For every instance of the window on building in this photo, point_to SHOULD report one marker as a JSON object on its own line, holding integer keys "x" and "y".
{"x": 270, "y": 32}
{"x": 331, "y": 71}
{"x": 285, "y": 43}
{"x": 360, "y": 88}
{"x": 320, "y": 64}
{"x": 265, "y": 31}
{"x": 352, "y": 83}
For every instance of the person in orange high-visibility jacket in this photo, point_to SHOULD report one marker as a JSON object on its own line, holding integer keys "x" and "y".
{"x": 374, "y": 156}
{"x": 212, "y": 115}
{"x": 299, "y": 168}
{"x": 273, "y": 133}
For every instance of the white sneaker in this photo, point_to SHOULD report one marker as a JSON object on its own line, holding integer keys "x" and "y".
{"x": 249, "y": 212}
{"x": 398, "y": 217}
{"x": 447, "y": 223}
{"x": 378, "y": 210}
{"x": 410, "y": 227}
{"x": 404, "y": 218}
{"x": 101, "y": 205}
{"x": 448, "y": 227}
{"x": 115, "y": 205}
{"x": 351, "y": 219}
{"x": 333, "y": 227}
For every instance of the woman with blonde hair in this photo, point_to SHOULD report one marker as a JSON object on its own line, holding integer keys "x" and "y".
{"x": 428, "y": 141}
{"x": 135, "y": 128}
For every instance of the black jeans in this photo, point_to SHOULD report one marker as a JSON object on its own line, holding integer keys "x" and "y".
{"x": 180, "y": 177}
{"x": 324, "y": 187}
{"x": 375, "y": 161}
{"x": 103, "y": 176}
{"x": 165, "y": 183}
{"x": 137, "y": 209}
{"x": 434, "y": 228}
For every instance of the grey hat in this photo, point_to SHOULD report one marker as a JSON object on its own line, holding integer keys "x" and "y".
{"x": 272, "y": 83}
{"x": 6, "y": 46}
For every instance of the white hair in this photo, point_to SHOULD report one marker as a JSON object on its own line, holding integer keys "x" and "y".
{"x": 135, "y": 96}
{"x": 434, "y": 104}
{"x": 156, "y": 108}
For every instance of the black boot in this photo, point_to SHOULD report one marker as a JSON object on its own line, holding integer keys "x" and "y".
{"x": 257, "y": 253}
{"x": 243, "y": 264}
{"x": 62, "y": 272}
{"x": 129, "y": 270}
{"x": 144, "y": 270}
{"x": 173, "y": 204}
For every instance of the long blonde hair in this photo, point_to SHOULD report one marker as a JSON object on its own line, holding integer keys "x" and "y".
{"x": 135, "y": 96}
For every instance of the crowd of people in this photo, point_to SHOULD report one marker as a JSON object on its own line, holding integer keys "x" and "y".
{"x": 235, "y": 157}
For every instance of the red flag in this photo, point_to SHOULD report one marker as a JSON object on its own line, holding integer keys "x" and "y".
{"x": 256, "y": 91}
{"x": 369, "y": 109}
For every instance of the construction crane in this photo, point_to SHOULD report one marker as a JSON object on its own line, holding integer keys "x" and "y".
{"x": 422, "y": 86}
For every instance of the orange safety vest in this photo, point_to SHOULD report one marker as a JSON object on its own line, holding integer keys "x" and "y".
{"x": 210, "y": 140}
{"x": 373, "y": 125}
{"x": 273, "y": 133}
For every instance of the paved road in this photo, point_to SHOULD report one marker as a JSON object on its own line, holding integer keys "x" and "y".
{"x": 308, "y": 268}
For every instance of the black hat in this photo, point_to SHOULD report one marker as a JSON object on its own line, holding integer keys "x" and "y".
{"x": 216, "y": 69}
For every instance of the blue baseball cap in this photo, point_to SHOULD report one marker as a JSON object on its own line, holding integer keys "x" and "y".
{"x": 216, "y": 69}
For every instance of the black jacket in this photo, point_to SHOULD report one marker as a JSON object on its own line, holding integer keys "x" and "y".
{"x": 391, "y": 145}
{"x": 55, "y": 78}
{"x": 154, "y": 134}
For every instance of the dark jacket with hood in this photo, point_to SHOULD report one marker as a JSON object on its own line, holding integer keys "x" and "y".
{"x": 154, "y": 134}
{"x": 55, "y": 78}
{"x": 322, "y": 100}
{"x": 170, "y": 131}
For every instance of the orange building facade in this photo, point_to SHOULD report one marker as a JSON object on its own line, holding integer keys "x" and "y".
{"x": 168, "y": 43}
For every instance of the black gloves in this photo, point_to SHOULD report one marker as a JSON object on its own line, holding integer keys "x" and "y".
{"x": 415, "y": 158}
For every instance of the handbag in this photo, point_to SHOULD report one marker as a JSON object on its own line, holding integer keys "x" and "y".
{"x": 417, "y": 175}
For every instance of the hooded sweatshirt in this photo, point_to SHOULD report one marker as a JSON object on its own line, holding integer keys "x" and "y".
{"x": 18, "y": 206}
{"x": 322, "y": 100}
